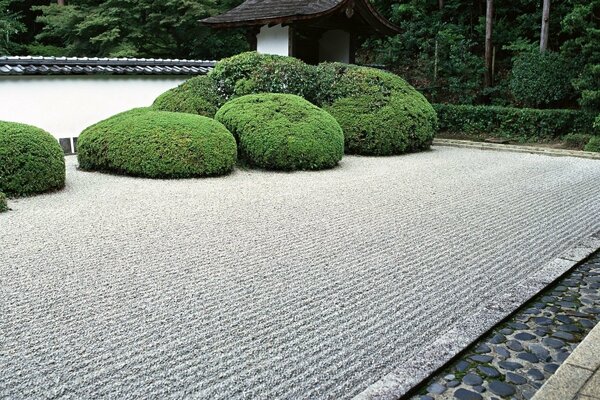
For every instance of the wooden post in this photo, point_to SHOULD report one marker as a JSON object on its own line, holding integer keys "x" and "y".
{"x": 545, "y": 26}
{"x": 489, "y": 18}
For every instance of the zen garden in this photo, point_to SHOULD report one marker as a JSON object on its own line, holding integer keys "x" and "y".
{"x": 269, "y": 199}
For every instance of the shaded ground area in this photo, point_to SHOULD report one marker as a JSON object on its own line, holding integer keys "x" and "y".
{"x": 273, "y": 285}
{"x": 519, "y": 356}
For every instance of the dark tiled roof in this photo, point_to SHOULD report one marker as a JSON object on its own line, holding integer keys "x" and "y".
{"x": 28, "y": 65}
{"x": 255, "y": 10}
{"x": 263, "y": 12}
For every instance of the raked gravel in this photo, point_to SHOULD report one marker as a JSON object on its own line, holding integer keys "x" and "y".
{"x": 306, "y": 285}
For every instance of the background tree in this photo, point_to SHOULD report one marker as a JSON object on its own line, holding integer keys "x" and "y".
{"x": 545, "y": 26}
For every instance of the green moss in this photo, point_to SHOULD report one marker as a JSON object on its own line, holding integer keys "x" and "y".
{"x": 379, "y": 112}
{"x": 593, "y": 144}
{"x": 3, "y": 203}
{"x": 197, "y": 95}
{"x": 31, "y": 160}
{"x": 157, "y": 144}
{"x": 283, "y": 132}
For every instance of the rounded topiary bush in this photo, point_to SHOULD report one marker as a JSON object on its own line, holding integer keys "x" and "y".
{"x": 379, "y": 112}
{"x": 252, "y": 73}
{"x": 197, "y": 95}
{"x": 593, "y": 144}
{"x": 31, "y": 160}
{"x": 157, "y": 144}
{"x": 283, "y": 132}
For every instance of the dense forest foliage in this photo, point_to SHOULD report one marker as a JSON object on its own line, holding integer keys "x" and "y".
{"x": 441, "y": 50}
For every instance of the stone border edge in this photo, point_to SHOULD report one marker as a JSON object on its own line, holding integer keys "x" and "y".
{"x": 452, "y": 344}
{"x": 516, "y": 149}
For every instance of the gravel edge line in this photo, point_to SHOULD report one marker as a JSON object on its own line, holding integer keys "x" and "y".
{"x": 516, "y": 149}
{"x": 457, "y": 338}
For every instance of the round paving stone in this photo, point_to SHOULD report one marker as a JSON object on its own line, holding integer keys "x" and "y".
{"x": 501, "y": 388}
{"x": 464, "y": 394}
{"x": 562, "y": 356}
{"x": 515, "y": 378}
{"x": 554, "y": 343}
{"x": 488, "y": 371}
{"x": 510, "y": 365}
{"x": 483, "y": 348}
{"x": 518, "y": 325}
{"x": 472, "y": 379}
{"x": 551, "y": 368}
{"x": 479, "y": 389}
{"x": 532, "y": 358}
{"x": 564, "y": 335}
{"x": 539, "y": 351}
{"x": 542, "y": 320}
{"x": 502, "y": 352}
{"x": 497, "y": 339}
{"x": 564, "y": 319}
{"x": 535, "y": 374}
{"x": 452, "y": 384}
{"x": 524, "y": 336}
{"x": 449, "y": 377}
{"x": 506, "y": 331}
{"x": 461, "y": 366}
{"x": 514, "y": 345}
{"x": 481, "y": 358}
{"x": 436, "y": 388}
{"x": 426, "y": 398}
{"x": 586, "y": 323}
{"x": 569, "y": 328}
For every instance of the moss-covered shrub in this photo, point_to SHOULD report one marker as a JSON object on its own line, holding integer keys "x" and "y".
{"x": 3, "y": 204}
{"x": 157, "y": 144}
{"x": 251, "y": 73}
{"x": 31, "y": 160}
{"x": 197, "y": 95}
{"x": 379, "y": 112}
{"x": 576, "y": 140}
{"x": 593, "y": 144}
{"x": 283, "y": 132}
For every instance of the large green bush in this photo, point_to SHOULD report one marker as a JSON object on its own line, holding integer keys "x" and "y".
{"x": 541, "y": 79}
{"x": 593, "y": 144}
{"x": 379, "y": 112}
{"x": 157, "y": 144}
{"x": 3, "y": 204}
{"x": 31, "y": 160}
{"x": 283, "y": 132}
{"x": 251, "y": 73}
{"x": 197, "y": 95}
{"x": 523, "y": 124}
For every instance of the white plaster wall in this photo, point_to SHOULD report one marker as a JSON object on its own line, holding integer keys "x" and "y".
{"x": 64, "y": 106}
{"x": 274, "y": 40}
{"x": 334, "y": 45}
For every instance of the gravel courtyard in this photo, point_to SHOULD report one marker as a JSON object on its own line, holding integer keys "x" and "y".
{"x": 308, "y": 285}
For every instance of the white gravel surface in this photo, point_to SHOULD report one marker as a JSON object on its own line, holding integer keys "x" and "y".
{"x": 307, "y": 285}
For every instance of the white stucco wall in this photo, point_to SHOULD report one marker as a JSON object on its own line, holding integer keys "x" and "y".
{"x": 334, "y": 45}
{"x": 65, "y": 105}
{"x": 274, "y": 40}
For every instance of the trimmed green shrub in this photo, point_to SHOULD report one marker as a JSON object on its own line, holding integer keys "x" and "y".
{"x": 593, "y": 144}
{"x": 157, "y": 144}
{"x": 540, "y": 79}
{"x": 197, "y": 95}
{"x": 283, "y": 132}
{"x": 523, "y": 124}
{"x": 576, "y": 140}
{"x": 379, "y": 112}
{"x": 251, "y": 73}
{"x": 31, "y": 160}
{"x": 3, "y": 204}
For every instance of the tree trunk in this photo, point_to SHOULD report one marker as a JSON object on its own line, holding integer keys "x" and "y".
{"x": 60, "y": 2}
{"x": 441, "y": 4}
{"x": 545, "y": 26}
{"x": 489, "y": 23}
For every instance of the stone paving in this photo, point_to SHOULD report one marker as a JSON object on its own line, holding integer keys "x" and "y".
{"x": 266, "y": 285}
{"x": 517, "y": 357}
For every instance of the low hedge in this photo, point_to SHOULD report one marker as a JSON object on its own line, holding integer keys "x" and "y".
{"x": 3, "y": 203}
{"x": 283, "y": 132}
{"x": 31, "y": 160}
{"x": 593, "y": 144}
{"x": 379, "y": 112}
{"x": 515, "y": 123}
{"x": 157, "y": 144}
{"x": 197, "y": 95}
